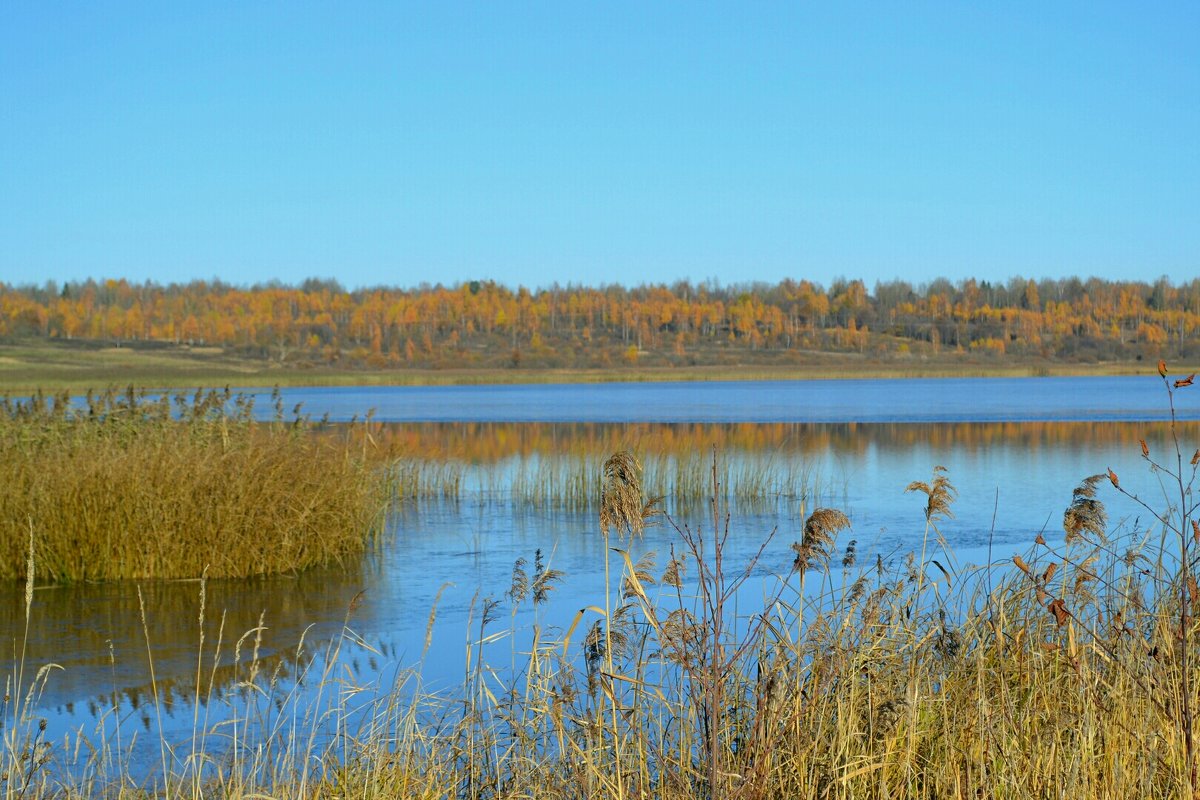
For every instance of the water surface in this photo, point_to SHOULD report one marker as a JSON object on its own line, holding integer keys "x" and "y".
{"x": 874, "y": 400}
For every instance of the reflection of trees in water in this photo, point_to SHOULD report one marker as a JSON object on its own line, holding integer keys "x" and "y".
{"x": 252, "y": 630}
{"x": 488, "y": 442}
{"x": 235, "y": 707}
{"x": 559, "y": 464}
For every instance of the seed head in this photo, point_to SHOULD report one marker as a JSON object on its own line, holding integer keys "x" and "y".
{"x": 819, "y": 532}
{"x": 621, "y": 504}
{"x": 941, "y": 494}
{"x": 1086, "y": 513}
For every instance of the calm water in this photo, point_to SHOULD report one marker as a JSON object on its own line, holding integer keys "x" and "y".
{"x": 910, "y": 400}
{"x": 1013, "y": 481}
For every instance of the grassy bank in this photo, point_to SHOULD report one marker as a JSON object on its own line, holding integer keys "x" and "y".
{"x": 128, "y": 488}
{"x": 80, "y": 365}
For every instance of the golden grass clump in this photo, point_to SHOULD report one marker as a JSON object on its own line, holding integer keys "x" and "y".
{"x": 133, "y": 486}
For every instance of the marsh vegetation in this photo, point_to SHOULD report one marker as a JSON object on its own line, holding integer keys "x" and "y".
{"x": 1064, "y": 670}
{"x": 132, "y": 485}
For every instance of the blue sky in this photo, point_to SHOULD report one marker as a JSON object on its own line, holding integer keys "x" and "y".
{"x": 601, "y": 142}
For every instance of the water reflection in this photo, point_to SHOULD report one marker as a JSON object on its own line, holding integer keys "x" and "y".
{"x": 98, "y": 635}
{"x": 491, "y": 442}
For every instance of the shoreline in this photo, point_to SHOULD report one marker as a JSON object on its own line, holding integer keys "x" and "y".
{"x": 58, "y": 366}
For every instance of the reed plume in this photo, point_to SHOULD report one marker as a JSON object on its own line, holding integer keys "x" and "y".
{"x": 820, "y": 530}
{"x": 1086, "y": 514}
{"x": 940, "y": 492}
{"x": 622, "y": 507}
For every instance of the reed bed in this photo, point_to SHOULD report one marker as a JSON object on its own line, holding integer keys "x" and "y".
{"x": 1065, "y": 671}
{"x": 572, "y": 481}
{"x": 131, "y": 485}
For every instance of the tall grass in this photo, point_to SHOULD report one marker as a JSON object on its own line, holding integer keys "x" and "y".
{"x": 1064, "y": 671}
{"x": 573, "y": 481}
{"x": 133, "y": 486}
{"x": 559, "y": 465}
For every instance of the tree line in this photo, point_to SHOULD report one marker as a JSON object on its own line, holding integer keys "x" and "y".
{"x": 482, "y": 323}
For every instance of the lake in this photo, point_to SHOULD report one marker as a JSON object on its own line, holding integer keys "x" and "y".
{"x": 1013, "y": 448}
{"x": 1120, "y": 398}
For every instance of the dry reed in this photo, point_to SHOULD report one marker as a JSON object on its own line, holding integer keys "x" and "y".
{"x": 134, "y": 486}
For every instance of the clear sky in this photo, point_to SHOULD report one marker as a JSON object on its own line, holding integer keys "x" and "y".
{"x": 590, "y": 143}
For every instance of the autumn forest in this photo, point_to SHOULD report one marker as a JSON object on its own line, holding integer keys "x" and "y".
{"x": 485, "y": 325}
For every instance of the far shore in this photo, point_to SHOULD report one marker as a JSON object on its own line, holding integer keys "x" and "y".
{"x": 55, "y": 366}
